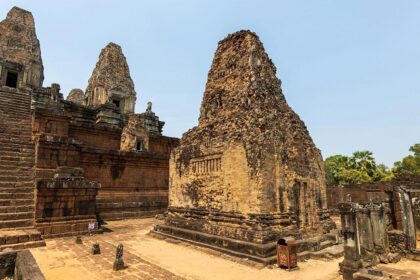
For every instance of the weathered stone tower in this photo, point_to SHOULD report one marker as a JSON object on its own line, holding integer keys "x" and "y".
{"x": 20, "y": 52}
{"x": 249, "y": 173}
{"x": 111, "y": 81}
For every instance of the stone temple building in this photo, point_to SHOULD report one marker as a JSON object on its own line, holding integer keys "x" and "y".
{"x": 249, "y": 173}
{"x": 66, "y": 163}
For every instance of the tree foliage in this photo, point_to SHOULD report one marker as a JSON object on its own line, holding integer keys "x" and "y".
{"x": 410, "y": 164}
{"x": 360, "y": 168}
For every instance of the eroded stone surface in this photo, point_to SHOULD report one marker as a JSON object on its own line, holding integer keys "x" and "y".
{"x": 20, "y": 51}
{"x": 76, "y": 95}
{"x": 111, "y": 81}
{"x": 250, "y": 161}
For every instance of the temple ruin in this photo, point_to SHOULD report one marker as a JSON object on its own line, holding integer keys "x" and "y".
{"x": 66, "y": 163}
{"x": 245, "y": 178}
{"x": 249, "y": 173}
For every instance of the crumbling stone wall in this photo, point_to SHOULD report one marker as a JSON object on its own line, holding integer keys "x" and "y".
{"x": 134, "y": 184}
{"x": 139, "y": 128}
{"x": 20, "y": 52}
{"x": 365, "y": 237}
{"x": 111, "y": 81}
{"x": 65, "y": 204}
{"x": 251, "y": 159}
{"x": 400, "y": 196}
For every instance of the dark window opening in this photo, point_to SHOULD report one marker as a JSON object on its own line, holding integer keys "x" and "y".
{"x": 48, "y": 127}
{"x": 139, "y": 145}
{"x": 83, "y": 207}
{"x": 116, "y": 102}
{"x": 47, "y": 213}
{"x": 11, "y": 79}
{"x": 66, "y": 212}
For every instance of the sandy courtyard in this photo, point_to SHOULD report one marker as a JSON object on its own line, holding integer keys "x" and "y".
{"x": 151, "y": 258}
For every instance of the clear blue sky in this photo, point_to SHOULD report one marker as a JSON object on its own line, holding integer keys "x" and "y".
{"x": 350, "y": 69}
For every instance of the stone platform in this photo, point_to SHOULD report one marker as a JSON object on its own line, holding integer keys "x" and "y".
{"x": 18, "y": 239}
{"x": 320, "y": 247}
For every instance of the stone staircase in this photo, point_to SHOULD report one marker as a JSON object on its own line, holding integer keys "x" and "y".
{"x": 17, "y": 158}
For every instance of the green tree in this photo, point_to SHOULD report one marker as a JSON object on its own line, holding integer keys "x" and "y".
{"x": 410, "y": 164}
{"x": 360, "y": 168}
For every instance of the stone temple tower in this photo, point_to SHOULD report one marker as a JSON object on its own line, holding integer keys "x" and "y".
{"x": 111, "y": 81}
{"x": 249, "y": 173}
{"x": 20, "y": 53}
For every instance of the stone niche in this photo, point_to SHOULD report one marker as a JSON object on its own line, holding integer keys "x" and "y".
{"x": 249, "y": 173}
{"x": 65, "y": 204}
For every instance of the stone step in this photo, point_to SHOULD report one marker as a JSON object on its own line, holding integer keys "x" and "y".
{"x": 23, "y": 245}
{"x": 16, "y": 223}
{"x": 18, "y": 190}
{"x": 16, "y": 102}
{"x": 16, "y": 158}
{"x": 13, "y": 167}
{"x": 16, "y": 202}
{"x": 325, "y": 244}
{"x": 15, "y": 164}
{"x": 16, "y": 209}
{"x": 15, "y": 112}
{"x": 16, "y": 178}
{"x": 21, "y": 184}
{"x": 14, "y": 147}
{"x": 7, "y": 108}
{"x": 16, "y": 172}
{"x": 7, "y": 94}
{"x": 15, "y": 138}
{"x": 17, "y": 148}
{"x": 27, "y": 153}
{"x": 18, "y": 239}
{"x": 331, "y": 252}
{"x": 14, "y": 196}
{"x": 16, "y": 216}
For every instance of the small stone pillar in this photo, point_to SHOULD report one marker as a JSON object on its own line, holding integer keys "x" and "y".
{"x": 79, "y": 240}
{"x": 96, "y": 249}
{"x": 119, "y": 262}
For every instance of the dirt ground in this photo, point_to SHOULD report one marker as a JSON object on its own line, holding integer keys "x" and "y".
{"x": 150, "y": 258}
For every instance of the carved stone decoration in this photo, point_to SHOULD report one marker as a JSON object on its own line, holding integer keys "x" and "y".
{"x": 249, "y": 172}
{"x": 20, "y": 53}
{"x": 111, "y": 81}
